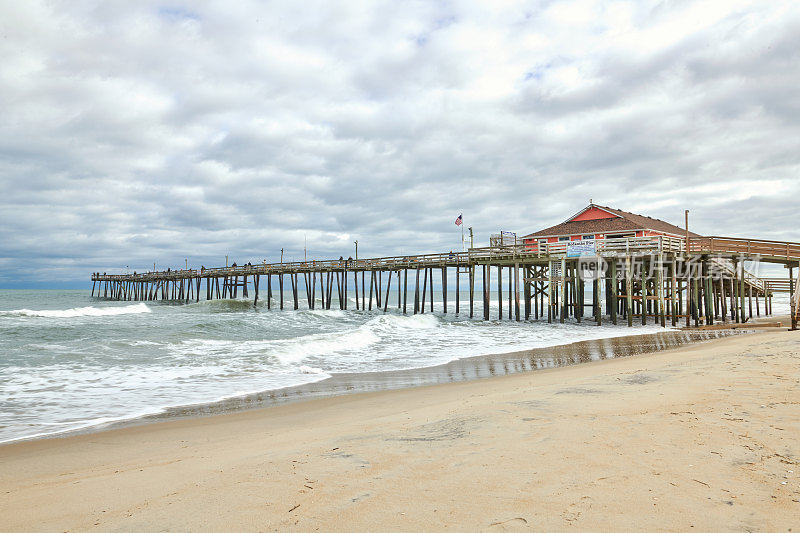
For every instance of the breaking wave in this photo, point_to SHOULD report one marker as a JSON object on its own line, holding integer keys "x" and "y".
{"x": 80, "y": 311}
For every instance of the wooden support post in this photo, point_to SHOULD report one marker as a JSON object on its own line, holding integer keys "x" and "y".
{"x": 378, "y": 286}
{"x": 750, "y": 300}
{"x": 344, "y": 288}
{"x": 644, "y": 290}
{"x": 458, "y": 290}
{"x": 792, "y": 306}
{"x": 614, "y": 296}
{"x": 487, "y": 274}
{"x": 322, "y": 298}
{"x": 581, "y": 292}
{"x": 563, "y": 306}
{"x": 500, "y": 292}
{"x": 662, "y": 311}
{"x": 723, "y": 303}
{"x": 405, "y": 290}
{"x": 371, "y": 287}
{"x": 516, "y": 292}
{"x": 399, "y": 294}
{"x": 527, "y": 274}
{"x": 329, "y": 290}
{"x": 388, "y": 286}
{"x": 629, "y": 290}
{"x": 358, "y": 305}
{"x": 527, "y": 283}
{"x": 416, "y": 294}
{"x": 471, "y": 291}
{"x": 579, "y": 299}
{"x": 742, "y": 314}
{"x": 706, "y": 280}
{"x": 430, "y": 272}
{"x": 510, "y": 290}
{"x": 673, "y": 287}
{"x": 549, "y": 292}
{"x": 758, "y": 307}
{"x": 424, "y": 289}
{"x": 313, "y": 278}
{"x": 444, "y": 289}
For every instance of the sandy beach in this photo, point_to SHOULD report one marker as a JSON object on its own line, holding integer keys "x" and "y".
{"x": 705, "y": 436}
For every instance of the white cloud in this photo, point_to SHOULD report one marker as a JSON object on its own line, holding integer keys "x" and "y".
{"x": 150, "y": 131}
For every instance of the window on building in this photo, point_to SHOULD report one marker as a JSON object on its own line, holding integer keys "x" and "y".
{"x": 563, "y": 238}
{"x": 587, "y": 237}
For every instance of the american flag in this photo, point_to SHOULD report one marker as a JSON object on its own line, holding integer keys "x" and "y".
{"x": 459, "y": 220}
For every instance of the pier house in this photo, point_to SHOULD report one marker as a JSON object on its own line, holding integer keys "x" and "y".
{"x": 595, "y": 222}
{"x": 652, "y": 271}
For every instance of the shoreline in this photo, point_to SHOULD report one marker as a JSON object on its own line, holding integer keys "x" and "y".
{"x": 703, "y": 435}
{"x": 463, "y": 369}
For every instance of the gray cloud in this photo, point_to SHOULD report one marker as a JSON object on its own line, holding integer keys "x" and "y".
{"x": 153, "y": 132}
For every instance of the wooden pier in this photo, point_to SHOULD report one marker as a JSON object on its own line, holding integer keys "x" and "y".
{"x": 659, "y": 279}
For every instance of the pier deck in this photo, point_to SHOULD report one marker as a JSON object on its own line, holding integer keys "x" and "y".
{"x": 664, "y": 278}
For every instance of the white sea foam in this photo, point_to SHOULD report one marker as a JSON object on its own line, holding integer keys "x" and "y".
{"x": 285, "y": 350}
{"x": 55, "y": 379}
{"x": 305, "y": 369}
{"x": 81, "y": 311}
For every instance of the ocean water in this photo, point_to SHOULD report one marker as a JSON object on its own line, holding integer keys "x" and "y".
{"x": 69, "y": 361}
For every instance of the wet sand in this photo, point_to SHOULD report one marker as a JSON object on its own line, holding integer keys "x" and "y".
{"x": 703, "y": 435}
{"x": 468, "y": 368}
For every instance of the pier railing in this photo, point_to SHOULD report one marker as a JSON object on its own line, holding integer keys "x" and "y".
{"x": 511, "y": 253}
{"x": 782, "y": 251}
{"x": 777, "y": 284}
{"x": 789, "y": 251}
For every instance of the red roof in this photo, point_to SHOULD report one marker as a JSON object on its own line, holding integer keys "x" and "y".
{"x": 600, "y": 219}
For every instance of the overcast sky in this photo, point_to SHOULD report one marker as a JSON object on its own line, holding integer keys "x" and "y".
{"x": 141, "y": 132}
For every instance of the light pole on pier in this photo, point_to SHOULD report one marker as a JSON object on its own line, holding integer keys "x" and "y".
{"x": 471, "y": 238}
{"x": 687, "y": 231}
{"x": 356, "y": 243}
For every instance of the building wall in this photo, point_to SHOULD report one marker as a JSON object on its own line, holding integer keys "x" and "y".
{"x": 594, "y": 213}
{"x": 532, "y": 242}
